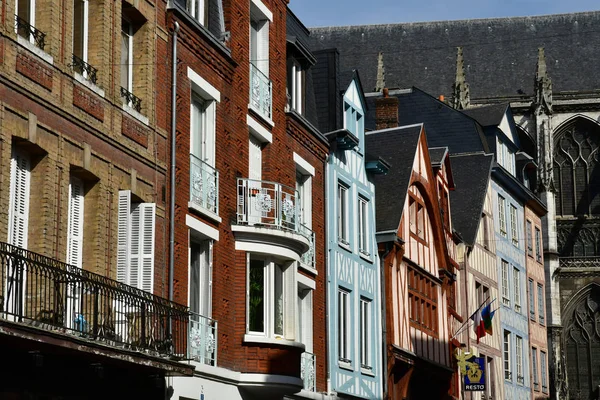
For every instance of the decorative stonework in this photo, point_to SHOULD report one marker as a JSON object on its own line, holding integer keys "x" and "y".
{"x": 88, "y": 102}
{"x": 461, "y": 97}
{"x": 134, "y": 131}
{"x": 35, "y": 70}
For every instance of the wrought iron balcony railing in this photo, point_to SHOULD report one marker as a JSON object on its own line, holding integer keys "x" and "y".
{"x": 131, "y": 100}
{"x": 29, "y": 32}
{"x": 85, "y": 69}
{"x": 308, "y": 367}
{"x": 261, "y": 92}
{"x": 53, "y": 296}
{"x": 204, "y": 185}
{"x": 202, "y": 341}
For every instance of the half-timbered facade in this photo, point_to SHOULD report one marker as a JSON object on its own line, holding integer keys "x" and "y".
{"x": 418, "y": 267}
{"x": 354, "y": 322}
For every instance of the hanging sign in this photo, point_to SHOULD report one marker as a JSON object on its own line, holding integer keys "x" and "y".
{"x": 475, "y": 374}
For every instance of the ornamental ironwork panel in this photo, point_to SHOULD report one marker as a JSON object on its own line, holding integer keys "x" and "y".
{"x": 308, "y": 368}
{"x": 260, "y": 92}
{"x": 204, "y": 185}
{"x": 131, "y": 100}
{"x": 85, "y": 69}
{"x": 29, "y": 32}
{"x": 202, "y": 342}
{"x": 577, "y": 169}
{"x": 582, "y": 339}
{"x": 579, "y": 237}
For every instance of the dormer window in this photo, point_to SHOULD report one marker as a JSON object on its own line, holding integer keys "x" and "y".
{"x": 296, "y": 80}
{"x": 505, "y": 157}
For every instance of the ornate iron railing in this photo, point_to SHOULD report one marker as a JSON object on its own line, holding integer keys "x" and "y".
{"x": 261, "y": 92}
{"x": 85, "y": 69}
{"x": 202, "y": 339}
{"x": 204, "y": 185}
{"x": 579, "y": 262}
{"x": 53, "y": 296}
{"x": 29, "y": 32}
{"x": 308, "y": 367}
{"x": 131, "y": 100}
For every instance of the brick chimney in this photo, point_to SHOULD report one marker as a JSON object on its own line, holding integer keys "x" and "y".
{"x": 386, "y": 111}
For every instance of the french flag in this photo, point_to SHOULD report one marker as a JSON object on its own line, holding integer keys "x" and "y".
{"x": 479, "y": 324}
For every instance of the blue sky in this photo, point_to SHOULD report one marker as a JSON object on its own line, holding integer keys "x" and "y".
{"x": 359, "y": 12}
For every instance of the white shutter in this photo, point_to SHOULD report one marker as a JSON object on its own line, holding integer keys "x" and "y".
{"x": 146, "y": 251}
{"x": 135, "y": 239}
{"x": 124, "y": 226}
{"x": 75, "y": 224}
{"x": 20, "y": 180}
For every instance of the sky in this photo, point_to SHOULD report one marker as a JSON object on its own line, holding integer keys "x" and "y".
{"x": 315, "y": 13}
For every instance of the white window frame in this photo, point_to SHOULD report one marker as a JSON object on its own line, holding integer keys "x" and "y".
{"x": 197, "y": 9}
{"x": 205, "y": 275}
{"x": 517, "y": 289}
{"x": 366, "y": 360}
{"x": 304, "y": 200}
{"x": 342, "y": 213}
{"x": 344, "y": 325}
{"x": 75, "y": 223}
{"x": 531, "y": 288}
{"x": 519, "y": 359}
{"x": 514, "y": 230}
{"x": 538, "y": 244}
{"x": 534, "y": 369}
{"x": 260, "y": 21}
{"x": 529, "y": 236}
{"x": 19, "y": 203}
{"x": 540, "y": 297}
{"x": 297, "y": 84}
{"x": 363, "y": 227}
{"x": 505, "y": 287}
{"x": 544, "y": 370}
{"x": 506, "y": 355}
{"x": 127, "y": 29}
{"x": 31, "y": 17}
{"x": 502, "y": 215}
{"x": 304, "y": 316}
{"x": 288, "y": 287}
{"x": 84, "y": 32}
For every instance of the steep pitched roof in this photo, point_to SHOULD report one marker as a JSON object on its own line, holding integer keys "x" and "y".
{"x": 445, "y": 126}
{"x": 396, "y": 146}
{"x": 487, "y": 115}
{"x": 500, "y": 54}
{"x": 471, "y": 176}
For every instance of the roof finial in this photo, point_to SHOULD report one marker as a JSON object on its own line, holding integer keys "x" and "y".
{"x": 380, "y": 84}
{"x": 543, "y": 85}
{"x": 461, "y": 97}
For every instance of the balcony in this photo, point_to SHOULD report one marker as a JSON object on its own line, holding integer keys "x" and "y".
{"x": 29, "y": 32}
{"x": 131, "y": 100}
{"x": 51, "y": 296}
{"x": 202, "y": 340}
{"x": 260, "y": 93}
{"x": 204, "y": 185}
{"x": 84, "y": 69}
{"x": 308, "y": 363}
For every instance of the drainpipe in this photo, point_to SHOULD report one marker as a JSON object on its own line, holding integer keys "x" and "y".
{"x": 173, "y": 135}
{"x": 388, "y": 248}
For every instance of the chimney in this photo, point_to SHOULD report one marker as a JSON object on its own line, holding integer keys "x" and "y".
{"x": 386, "y": 111}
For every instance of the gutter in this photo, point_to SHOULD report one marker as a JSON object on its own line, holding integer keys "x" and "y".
{"x": 173, "y": 164}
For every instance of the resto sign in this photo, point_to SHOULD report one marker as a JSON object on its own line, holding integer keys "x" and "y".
{"x": 475, "y": 375}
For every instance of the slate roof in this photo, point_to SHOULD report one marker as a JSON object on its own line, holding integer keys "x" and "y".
{"x": 487, "y": 115}
{"x": 500, "y": 54}
{"x": 396, "y": 146}
{"x": 437, "y": 155}
{"x": 445, "y": 126}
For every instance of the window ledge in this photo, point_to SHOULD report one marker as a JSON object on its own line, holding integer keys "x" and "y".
{"x": 366, "y": 257}
{"x": 248, "y": 338}
{"x": 345, "y": 365}
{"x": 93, "y": 87}
{"x": 367, "y": 371}
{"x": 35, "y": 50}
{"x": 207, "y": 213}
{"x": 345, "y": 246}
{"x": 267, "y": 120}
{"x": 308, "y": 269}
{"x": 139, "y": 116}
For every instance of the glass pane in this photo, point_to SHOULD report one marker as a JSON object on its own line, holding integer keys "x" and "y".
{"x": 78, "y": 22}
{"x": 195, "y": 278}
{"x": 278, "y": 305}
{"x": 198, "y": 136}
{"x": 125, "y": 57}
{"x": 24, "y": 10}
{"x": 257, "y": 296}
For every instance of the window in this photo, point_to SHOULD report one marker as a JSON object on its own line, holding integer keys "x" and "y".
{"x": 296, "y": 81}
{"x": 506, "y": 157}
{"x": 513, "y": 225}
{"x": 365, "y": 334}
{"x": 197, "y": 9}
{"x": 201, "y": 277}
{"x": 344, "y": 325}
{"x": 305, "y": 317}
{"x": 203, "y": 175}
{"x": 538, "y": 244}
{"x": 444, "y": 205}
{"x": 486, "y": 231}
{"x": 80, "y": 39}
{"x": 260, "y": 84}
{"x": 363, "y": 232}
{"x": 517, "y": 289}
{"x": 422, "y": 302}
{"x": 342, "y": 213}
{"x": 540, "y": 295}
{"x": 531, "y": 291}
{"x": 543, "y": 361}
{"x": 505, "y": 289}
{"x": 534, "y": 369}
{"x": 519, "y": 353}
{"x": 502, "y": 215}
{"x": 135, "y": 252}
{"x": 529, "y": 239}
{"x": 20, "y": 182}
{"x": 271, "y": 297}
{"x": 482, "y": 292}
{"x": 506, "y": 354}
{"x": 304, "y": 201}
{"x": 25, "y": 11}
{"x": 417, "y": 218}
{"x": 127, "y": 56}
{"x": 490, "y": 378}
{"x": 75, "y": 222}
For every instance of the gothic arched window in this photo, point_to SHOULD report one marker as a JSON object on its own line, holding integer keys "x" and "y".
{"x": 582, "y": 341}
{"x": 577, "y": 168}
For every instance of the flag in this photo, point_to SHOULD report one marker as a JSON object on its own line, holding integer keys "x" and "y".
{"x": 487, "y": 315}
{"x": 478, "y": 326}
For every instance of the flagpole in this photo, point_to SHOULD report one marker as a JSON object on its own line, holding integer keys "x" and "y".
{"x": 461, "y": 328}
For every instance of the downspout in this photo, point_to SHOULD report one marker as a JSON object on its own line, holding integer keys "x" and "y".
{"x": 173, "y": 164}
{"x": 384, "y": 373}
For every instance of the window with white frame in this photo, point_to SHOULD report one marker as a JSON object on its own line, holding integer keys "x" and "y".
{"x": 519, "y": 359}
{"x": 353, "y": 119}
{"x": 342, "y": 213}
{"x": 259, "y": 39}
{"x": 200, "y": 291}
{"x": 506, "y": 356}
{"x": 271, "y": 297}
{"x": 344, "y": 326}
{"x": 543, "y": 370}
{"x": 529, "y": 238}
{"x": 531, "y": 290}
{"x": 304, "y": 317}
{"x": 25, "y": 10}
{"x": 502, "y": 215}
{"x": 127, "y": 55}
{"x": 197, "y": 9}
{"x": 20, "y": 182}
{"x": 363, "y": 231}
{"x": 534, "y": 369}
{"x": 514, "y": 231}
{"x": 80, "y": 35}
{"x": 506, "y": 157}
{"x": 505, "y": 287}
{"x": 540, "y": 296}
{"x": 365, "y": 333}
{"x": 296, "y": 82}
{"x": 538, "y": 244}
{"x": 75, "y": 222}
{"x": 517, "y": 289}
{"x": 304, "y": 200}
{"x": 135, "y": 250}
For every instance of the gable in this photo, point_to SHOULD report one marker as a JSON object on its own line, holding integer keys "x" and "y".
{"x": 352, "y": 96}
